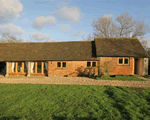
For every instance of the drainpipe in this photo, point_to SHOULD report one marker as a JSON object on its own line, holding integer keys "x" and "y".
{"x": 7, "y": 68}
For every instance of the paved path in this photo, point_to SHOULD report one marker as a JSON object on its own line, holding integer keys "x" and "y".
{"x": 75, "y": 81}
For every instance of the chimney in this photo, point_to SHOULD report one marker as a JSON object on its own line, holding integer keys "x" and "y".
{"x": 130, "y": 34}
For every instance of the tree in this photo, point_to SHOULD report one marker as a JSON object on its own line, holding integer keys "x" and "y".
{"x": 89, "y": 38}
{"x": 122, "y": 26}
{"x": 6, "y": 37}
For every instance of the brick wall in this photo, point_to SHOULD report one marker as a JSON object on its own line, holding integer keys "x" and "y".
{"x": 70, "y": 70}
{"x": 119, "y": 69}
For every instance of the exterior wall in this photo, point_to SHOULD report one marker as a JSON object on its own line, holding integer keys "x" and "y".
{"x": 119, "y": 69}
{"x": 70, "y": 69}
{"x": 145, "y": 67}
{"x": 140, "y": 66}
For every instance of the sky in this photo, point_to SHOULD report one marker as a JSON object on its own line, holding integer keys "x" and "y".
{"x": 64, "y": 20}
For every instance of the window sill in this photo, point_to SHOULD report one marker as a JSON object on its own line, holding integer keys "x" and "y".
{"x": 91, "y": 67}
{"x": 60, "y": 68}
{"x": 123, "y": 64}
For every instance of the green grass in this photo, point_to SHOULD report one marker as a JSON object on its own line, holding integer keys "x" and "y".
{"x": 69, "y": 102}
{"x": 121, "y": 77}
{"x": 147, "y": 76}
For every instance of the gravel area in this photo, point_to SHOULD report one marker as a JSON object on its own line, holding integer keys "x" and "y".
{"x": 73, "y": 80}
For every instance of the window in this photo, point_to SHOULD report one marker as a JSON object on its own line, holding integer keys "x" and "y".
{"x": 91, "y": 64}
{"x": 19, "y": 66}
{"x": 64, "y": 64}
{"x": 39, "y": 66}
{"x": 88, "y": 64}
{"x": 58, "y": 64}
{"x": 25, "y": 67}
{"x": 61, "y": 64}
{"x": 123, "y": 61}
{"x": 126, "y": 61}
{"x": 120, "y": 60}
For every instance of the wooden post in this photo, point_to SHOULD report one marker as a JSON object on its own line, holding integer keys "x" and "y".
{"x": 22, "y": 67}
{"x": 7, "y": 69}
{"x": 42, "y": 67}
{"x": 16, "y": 67}
{"x": 133, "y": 60}
{"x": 36, "y": 67}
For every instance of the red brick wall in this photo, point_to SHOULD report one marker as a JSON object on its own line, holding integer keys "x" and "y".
{"x": 119, "y": 69}
{"x": 70, "y": 70}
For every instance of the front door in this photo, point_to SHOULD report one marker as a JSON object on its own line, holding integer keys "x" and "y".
{"x": 136, "y": 66}
{"x": 2, "y": 68}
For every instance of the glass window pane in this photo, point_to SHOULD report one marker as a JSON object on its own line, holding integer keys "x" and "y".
{"x": 58, "y": 64}
{"x": 64, "y": 64}
{"x": 94, "y": 64}
{"x": 126, "y": 61}
{"x": 25, "y": 66}
{"x": 19, "y": 67}
{"x": 45, "y": 67}
{"x": 120, "y": 60}
{"x": 38, "y": 67}
{"x": 88, "y": 64}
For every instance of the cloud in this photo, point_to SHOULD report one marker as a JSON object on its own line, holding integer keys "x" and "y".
{"x": 25, "y": 20}
{"x": 108, "y": 15}
{"x": 11, "y": 29}
{"x": 78, "y": 33}
{"x": 72, "y": 14}
{"x": 9, "y": 9}
{"x": 42, "y": 21}
{"x": 64, "y": 27}
{"x": 40, "y": 36}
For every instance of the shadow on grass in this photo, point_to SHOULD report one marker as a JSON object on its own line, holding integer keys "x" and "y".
{"x": 119, "y": 102}
{"x": 75, "y": 118}
{"x": 10, "y": 118}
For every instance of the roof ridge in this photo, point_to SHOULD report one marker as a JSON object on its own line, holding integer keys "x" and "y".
{"x": 114, "y": 38}
{"x": 43, "y": 42}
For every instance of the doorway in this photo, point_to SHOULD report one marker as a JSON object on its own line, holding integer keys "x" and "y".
{"x": 136, "y": 66}
{"x": 2, "y": 68}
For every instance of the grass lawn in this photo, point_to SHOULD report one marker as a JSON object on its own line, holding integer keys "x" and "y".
{"x": 147, "y": 76}
{"x": 84, "y": 102}
{"x": 121, "y": 77}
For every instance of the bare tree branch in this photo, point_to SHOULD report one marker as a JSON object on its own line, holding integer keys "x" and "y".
{"x": 89, "y": 38}
{"x": 5, "y": 37}
{"x": 121, "y": 27}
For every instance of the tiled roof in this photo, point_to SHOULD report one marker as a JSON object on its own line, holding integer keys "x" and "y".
{"x": 119, "y": 47}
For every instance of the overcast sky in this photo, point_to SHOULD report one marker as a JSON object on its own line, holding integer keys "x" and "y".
{"x": 58, "y": 20}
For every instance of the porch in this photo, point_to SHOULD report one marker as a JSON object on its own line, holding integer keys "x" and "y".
{"x": 24, "y": 68}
